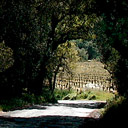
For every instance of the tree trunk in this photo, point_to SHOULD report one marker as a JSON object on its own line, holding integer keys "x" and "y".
{"x": 54, "y": 79}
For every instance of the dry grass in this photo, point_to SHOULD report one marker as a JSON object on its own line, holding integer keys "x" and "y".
{"x": 90, "y": 67}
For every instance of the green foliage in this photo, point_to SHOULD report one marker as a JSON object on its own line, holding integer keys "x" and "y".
{"x": 69, "y": 55}
{"x": 27, "y": 100}
{"x": 6, "y": 57}
{"x": 110, "y": 34}
{"x": 114, "y": 103}
{"x": 88, "y": 95}
{"x": 92, "y": 97}
{"x": 83, "y": 54}
{"x": 48, "y": 96}
{"x": 87, "y": 50}
{"x": 64, "y": 59}
{"x": 115, "y": 113}
{"x": 59, "y": 94}
{"x": 33, "y": 30}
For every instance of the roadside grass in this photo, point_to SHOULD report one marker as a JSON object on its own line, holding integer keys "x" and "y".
{"x": 59, "y": 94}
{"x": 102, "y": 95}
{"x": 47, "y": 97}
{"x": 88, "y": 95}
{"x": 26, "y": 100}
{"x": 115, "y": 114}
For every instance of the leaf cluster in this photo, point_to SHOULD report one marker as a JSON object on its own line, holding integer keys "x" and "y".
{"x": 6, "y": 57}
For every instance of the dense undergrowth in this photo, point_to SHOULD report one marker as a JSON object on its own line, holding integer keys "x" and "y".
{"x": 88, "y": 94}
{"x": 47, "y": 97}
{"x": 26, "y": 100}
{"x": 114, "y": 115}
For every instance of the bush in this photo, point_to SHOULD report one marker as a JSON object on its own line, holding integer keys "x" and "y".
{"x": 26, "y": 100}
{"x": 73, "y": 96}
{"x": 12, "y": 104}
{"x": 115, "y": 114}
{"x": 92, "y": 97}
{"x": 67, "y": 97}
{"x": 61, "y": 94}
{"x": 83, "y": 95}
{"x": 89, "y": 94}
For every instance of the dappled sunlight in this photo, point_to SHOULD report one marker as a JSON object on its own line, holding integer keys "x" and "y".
{"x": 65, "y": 112}
{"x": 71, "y": 51}
{"x": 77, "y": 108}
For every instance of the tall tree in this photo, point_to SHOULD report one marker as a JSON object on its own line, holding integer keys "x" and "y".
{"x": 111, "y": 36}
{"x": 33, "y": 30}
{"x": 63, "y": 61}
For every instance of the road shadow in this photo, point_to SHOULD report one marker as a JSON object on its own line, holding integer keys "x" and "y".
{"x": 91, "y": 105}
{"x": 87, "y": 105}
{"x": 55, "y": 121}
{"x": 65, "y": 122}
{"x": 46, "y": 122}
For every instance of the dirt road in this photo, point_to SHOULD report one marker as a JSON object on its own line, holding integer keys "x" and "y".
{"x": 64, "y": 114}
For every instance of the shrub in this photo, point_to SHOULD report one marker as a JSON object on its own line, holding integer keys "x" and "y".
{"x": 26, "y": 100}
{"x": 61, "y": 94}
{"x": 73, "y": 96}
{"x": 115, "y": 114}
{"x": 92, "y": 97}
{"x": 67, "y": 97}
{"x": 83, "y": 95}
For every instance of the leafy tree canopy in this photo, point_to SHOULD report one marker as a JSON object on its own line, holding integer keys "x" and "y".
{"x": 111, "y": 31}
{"x": 63, "y": 61}
{"x": 6, "y": 57}
{"x": 34, "y": 29}
{"x": 88, "y": 50}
